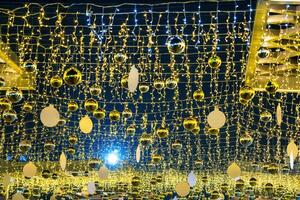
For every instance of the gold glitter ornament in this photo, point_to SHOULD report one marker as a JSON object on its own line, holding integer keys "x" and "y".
{"x": 90, "y": 105}
{"x": 175, "y": 44}
{"x": 190, "y": 123}
{"x": 99, "y": 114}
{"x": 56, "y": 81}
{"x": 114, "y": 115}
{"x": 72, "y": 76}
{"x": 14, "y": 95}
{"x": 214, "y": 61}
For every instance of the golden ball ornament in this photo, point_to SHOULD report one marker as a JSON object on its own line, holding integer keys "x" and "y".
{"x": 156, "y": 158}
{"x": 46, "y": 173}
{"x": 198, "y": 163}
{"x": 5, "y": 104}
{"x": 73, "y": 139}
{"x": 253, "y": 181}
{"x": 71, "y": 150}
{"x": 25, "y": 146}
{"x": 265, "y": 116}
{"x": 198, "y": 95}
{"x": 14, "y": 94}
{"x": 95, "y": 90}
{"x": 29, "y": 66}
{"x": 196, "y": 130}
{"x": 145, "y": 139}
{"x": 263, "y": 52}
{"x": 213, "y": 131}
{"x": 2, "y": 82}
{"x": 56, "y": 81}
{"x": 171, "y": 83}
{"x": 143, "y": 87}
{"x": 127, "y": 113}
{"x": 124, "y": 81}
{"x": 27, "y": 107}
{"x": 245, "y": 139}
{"x": 49, "y": 146}
{"x": 72, "y": 76}
{"x": 215, "y": 195}
{"x": 246, "y": 93}
{"x": 190, "y": 123}
{"x": 224, "y": 187}
{"x": 159, "y": 179}
{"x": 162, "y": 132}
{"x": 130, "y": 130}
{"x": 285, "y": 169}
{"x": 272, "y": 86}
{"x": 176, "y": 145}
{"x": 99, "y": 114}
{"x": 159, "y": 84}
{"x": 61, "y": 122}
{"x": 135, "y": 181}
{"x": 153, "y": 181}
{"x": 114, "y": 115}
{"x": 94, "y": 164}
{"x": 239, "y": 184}
{"x": 214, "y": 61}
{"x": 175, "y": 44}
{"x": 9, "y": 116}
{"x": 72, "y": 106}
{"x": 273, "y": 168}
{"x": 269, "y": 187}
{"x": 90, "y": 105}
{"x": 120, "y": 58}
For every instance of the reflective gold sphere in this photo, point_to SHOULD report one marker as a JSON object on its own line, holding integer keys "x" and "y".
{"x": 99, "y": 114}
{"x": 61, "y": 122}
{"x": 159, "y": 84}
{"x": 263, "y": 52}
{"x": 25, "y": 146}
{"x": 56, "y": 81}
{"x": 213, "y": 131}
{"x": 162, "y": 132}
{"x": 120, "y": 58}
{"x": 156, "y": 158}
{"x": 214, "y": 61}
{"x": 265, "y": 116}
{"x": 27, "y": 107}
{"x": 127, "y": 113}
{"x": 95, "y": 90}
{"x": 73, "y": 139}
{"x": 131, "y": 130}
{"x": 171, "y": 82}
{"x": 273, "y": 168}
{"x": 14, "y": 95}
{"x": 49, "y": 146}
{"x": 246, "y": 139}
{"x": 175, "y": 44}
{"x": 9, "y": 116}
{"x": 90, "y": 105}
{"x": 114, "y": 115}
{"x": 72, "y": 76}
{"x": 124, "y": 81}
{"x": 176, "y": 145}
{"x": 190, "y": 123}
{"x": 29, "y": 66}
{"x": 198, "y": 95}
{"x": 143, "y": 87}
{"x": 5, "y": 104}
{"x": 253, "y": 181}
{"x": 246, "y": 93}
{"x": 71, "y": 150}
{"x": 272, "y": 86}
{"x": 145, "y": 139}
{"x": 135, "y": 181}
{"x": 196, "y": 130}
{"x": 72, "y": 106}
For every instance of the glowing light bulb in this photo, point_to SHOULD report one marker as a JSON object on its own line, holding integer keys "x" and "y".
{"x": 112, "y": 158}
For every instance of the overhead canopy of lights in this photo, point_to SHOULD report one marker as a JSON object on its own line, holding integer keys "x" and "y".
{"x": 161, "y": 101}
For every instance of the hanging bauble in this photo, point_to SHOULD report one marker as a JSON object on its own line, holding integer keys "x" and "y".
{"x": 2, "y": 82}
{"x": 61, "y": 122}
{"x": 14, "y": 95}
{"x": 99, "y": 114}
{"x": 214, "y": 61}
{"x": 175, "y": 44}
{"x": 253, "y": 181}
{"x": 198, "y": 95}
{"x": 182, "y": 189}
{"x": 273, "y": 168}
{"x": 114, "y": 115}
{"x": 56, "y": 81}
{"x": 224, "y": 187}
{"x": 246, "y": 139}
{"x": 285, "y": 169}
{"x": 239, "y": 184}
{"x": 153, "y": 181}
{"x": 263, "y": 52}
{"x": 176, "y": 145}
{"x": 143, "y": 87}
{"x": 215, "y": 195}
{"x": 95, "y": 90}
{"x": 24, "y": 146}
{"x": 127, "y": 113}
{"x": 265, "y": 116}
{"x": 234, "y": 171}
{"x": 27, "y": 107}
{"x": 133, "y": 79}
{"x": 124, "y": 81}
{"x": 212, "y": 131}
{"x": 171, "y": 82}
{"x": 49, "y": 146}
{"x": 271, "y": 86}
{"x": 9, "y": 116}
{"x": 135, "y": 181}
{"x": 90, "y": 105}
{"x": 94, "y": 164}
{"x": 29, "y": 170}
{"x": 72, "y": 106}
{"x": 49, "y": 116}
{"x": 5, "y": 104}
{"x": 162, "y": 132}
{"x": 247, "y": 93}
{"x": 159, "y": 179}
{"x": 196, "y": 130}
{"x": 72, "y": 76}
{"x": 120, "y": 58}
{"x": 46, "y": 173}
{"x": 243, "y": 101}
{"x": 71, "y": 150}
{"x": 86, "y": 124}
{"x": 73, "y": 139}
{"x": 145, "y": 139}
{"x": 156, "y": 158}
{"x": 190, "y": 123}
{"x": 29, "y": 66}
{"x": 159, "y": 84}
{"x": 54, "y": 176}
{"x": 269, "y": 187}
{"x": 130, "y": 130}
{"x": 216, "y": 119}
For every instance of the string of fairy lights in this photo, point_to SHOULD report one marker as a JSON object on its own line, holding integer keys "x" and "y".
{"x": 191, "y": 59}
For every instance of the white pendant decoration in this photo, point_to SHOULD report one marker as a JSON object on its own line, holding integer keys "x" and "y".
{"x": 279, "y": 114}
{"x": 18, "y": 196}
{"x": 292, "y": 149}
{"x": 234, "y": 171}
{"x": 29, "y": 170}
{"x": 182, "y": 189}
{"x": 103, "y": 172}
{"x": 133, "y": 79}
{"x": 86, "y": 124}
{"x": 192, "y": 179}
{"x": 49, "y": 116}
{"x": 138, "y": 154}
{"x": 216, "y": 119}
{"x": 292, "y": 161}
{"x": 91, "y": 188}
{"x": 63, "y": 161}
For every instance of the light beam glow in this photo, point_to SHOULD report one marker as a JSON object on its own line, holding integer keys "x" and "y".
{"x": 112, "y": 158}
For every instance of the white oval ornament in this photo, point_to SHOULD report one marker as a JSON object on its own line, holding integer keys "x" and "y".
{"x": 216, "y": 119}
{"x": 103, "y": 172}
{"x": 279, "y": 114}
{"x": 292, "y": 149}
{"x": 29, "y": 170}
{"x": 133, "y": 79}
{"x": 18, "y": 196}
{"x": 192, "y": 179}
{"x": 63, "y": 161}
{"x": 234, "y": 171}
{"x": 138, "y": 154}
{"x": 49, "y": 116}
{"x": 86, "y": 124}
{"x": 91, "y": 188}
{"x": 182, "y": 189}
